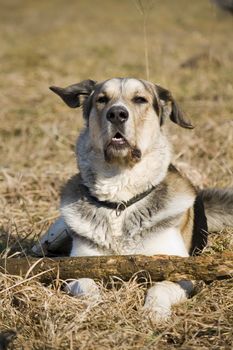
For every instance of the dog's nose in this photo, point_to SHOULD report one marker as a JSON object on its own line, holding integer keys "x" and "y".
{"x": 117, "y": 115}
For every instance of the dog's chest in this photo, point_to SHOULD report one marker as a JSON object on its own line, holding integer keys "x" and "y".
{"x": 132, "y": 231}
{"x": 116, "y": 223}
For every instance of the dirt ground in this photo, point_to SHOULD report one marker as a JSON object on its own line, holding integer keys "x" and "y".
{"x": 43, "y": 43}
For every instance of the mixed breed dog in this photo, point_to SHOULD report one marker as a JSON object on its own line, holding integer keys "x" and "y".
{"x": 127, "y": 197}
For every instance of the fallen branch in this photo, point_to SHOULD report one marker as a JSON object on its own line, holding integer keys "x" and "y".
{"x": 207, "y": 268}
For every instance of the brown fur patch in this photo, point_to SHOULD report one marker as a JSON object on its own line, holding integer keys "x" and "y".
{"x": 113, "y": 156}
{"x": 186, "y": 228}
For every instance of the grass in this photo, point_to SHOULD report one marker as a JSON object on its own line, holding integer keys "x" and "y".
{"x": 58, "y": 43}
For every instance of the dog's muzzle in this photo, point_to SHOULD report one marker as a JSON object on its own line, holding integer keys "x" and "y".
{"x": 119, "y": 148}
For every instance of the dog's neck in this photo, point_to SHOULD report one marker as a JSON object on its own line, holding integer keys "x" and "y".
{"x": 113, "y": 183}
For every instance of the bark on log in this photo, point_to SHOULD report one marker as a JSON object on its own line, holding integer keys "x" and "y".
{"x": 207, "y": 268}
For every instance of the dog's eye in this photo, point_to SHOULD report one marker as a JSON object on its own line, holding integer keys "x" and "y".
{"x": 102, "y": 99}
{"x": 139, "y": 99}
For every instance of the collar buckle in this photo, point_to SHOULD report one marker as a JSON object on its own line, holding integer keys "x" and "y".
{"x": 121, "y": 206}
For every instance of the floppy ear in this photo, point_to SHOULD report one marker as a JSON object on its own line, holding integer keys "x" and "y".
{"x": 71, "y": 94}
{"x": 170, "y": 108}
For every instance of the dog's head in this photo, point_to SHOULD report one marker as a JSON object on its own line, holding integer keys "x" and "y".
{"x": 123, "y": 115}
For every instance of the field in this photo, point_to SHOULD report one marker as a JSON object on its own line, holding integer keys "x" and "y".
{"x": 185, "y": 46}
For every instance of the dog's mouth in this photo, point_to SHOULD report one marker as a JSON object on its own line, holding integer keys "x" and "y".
{"x": 118, "y": 141}
{"x": 119, "y": 150}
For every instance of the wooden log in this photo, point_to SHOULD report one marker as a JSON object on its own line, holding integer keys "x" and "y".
{"x": 173, "y": 268}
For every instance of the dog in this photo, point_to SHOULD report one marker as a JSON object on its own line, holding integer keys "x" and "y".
{"x": 128, "y": 198}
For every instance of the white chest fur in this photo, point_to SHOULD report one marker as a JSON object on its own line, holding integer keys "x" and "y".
{"x": 107, "y": 235}
{"x": 168, "y": 242}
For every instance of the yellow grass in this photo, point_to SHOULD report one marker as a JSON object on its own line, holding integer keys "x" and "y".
{"x": 189, "y": 49}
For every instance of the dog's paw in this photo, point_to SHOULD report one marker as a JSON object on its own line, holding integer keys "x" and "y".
{"x": 57, "y": 239}
{"x": 160, "y": 298}
{"x": 85, "y": 288}
{"x": 156, "y": 309}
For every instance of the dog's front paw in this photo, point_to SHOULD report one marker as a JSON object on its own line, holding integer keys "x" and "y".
{"x": 160, "y": 298}
{"x": 85, "y": 288}
{"x": 156, "y": 308}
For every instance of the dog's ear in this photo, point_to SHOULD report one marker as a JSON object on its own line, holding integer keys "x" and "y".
{"x": 71, "y": 94}
{"x": 171, "y": 109}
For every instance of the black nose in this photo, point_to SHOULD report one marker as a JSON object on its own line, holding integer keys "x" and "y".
{"x": 117, "y": 115}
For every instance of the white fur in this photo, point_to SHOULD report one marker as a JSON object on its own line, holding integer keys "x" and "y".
{"x": 161, "y": 297}
{"x": 126, "y": 87}
{"x": 84, "y": 287}
{"x": 114, "y": 184}
{"x": 177, "y": 205}
{"x": 167, "y": 241}
{"x": 82, "y": 248}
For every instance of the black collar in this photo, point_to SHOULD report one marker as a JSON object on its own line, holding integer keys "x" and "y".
{"x": 118, "y": 206}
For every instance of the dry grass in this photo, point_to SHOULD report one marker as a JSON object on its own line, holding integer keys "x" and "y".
{"x": 43, "y": 43}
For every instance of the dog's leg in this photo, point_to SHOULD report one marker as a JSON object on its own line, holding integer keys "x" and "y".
{"x": 85, "y": 288}
{"x": 163, "y": 295}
